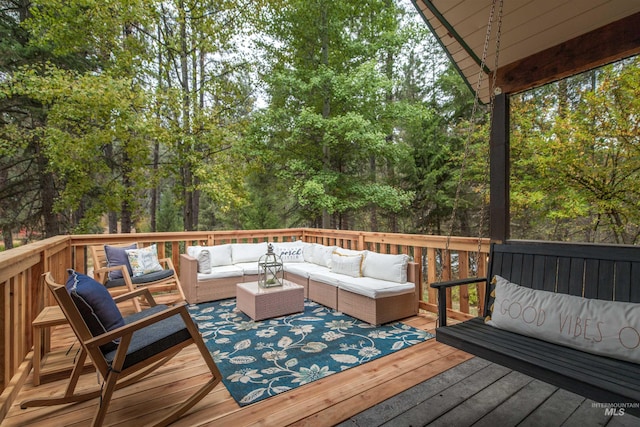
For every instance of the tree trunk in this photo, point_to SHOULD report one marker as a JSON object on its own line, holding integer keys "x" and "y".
{"x": 187, "y": 178}
{"x": 126, "y": 221}
{"x": 326, "y": 105}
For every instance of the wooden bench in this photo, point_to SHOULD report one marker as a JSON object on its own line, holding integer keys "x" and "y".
{"x": 605, "y": 272}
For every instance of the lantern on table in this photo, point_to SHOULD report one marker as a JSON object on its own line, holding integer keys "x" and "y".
{"x": 270, "y": 270}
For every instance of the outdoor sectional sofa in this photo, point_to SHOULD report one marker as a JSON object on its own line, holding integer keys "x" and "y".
{"x": 376, "y": 288}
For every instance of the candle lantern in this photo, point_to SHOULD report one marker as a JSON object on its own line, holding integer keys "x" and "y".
{"x": 270, "y": 269}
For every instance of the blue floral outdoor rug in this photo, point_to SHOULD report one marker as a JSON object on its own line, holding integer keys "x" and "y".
{"x": 263, "y": 358}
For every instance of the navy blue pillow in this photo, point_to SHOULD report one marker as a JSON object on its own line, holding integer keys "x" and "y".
{"x": 117, "y": 255}
{"x": 95, "y": 304}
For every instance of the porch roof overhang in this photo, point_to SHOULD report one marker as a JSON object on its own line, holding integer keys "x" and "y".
{"x": 541, "y": 40}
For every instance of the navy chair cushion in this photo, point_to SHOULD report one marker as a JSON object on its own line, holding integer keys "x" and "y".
{"x": 141, "y": 280}
{"x": 117, "y": 255}
{"x": 95, "y": 304}
{"x": 152, "y": 339}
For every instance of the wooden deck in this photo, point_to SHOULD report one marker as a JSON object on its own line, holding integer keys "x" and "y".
{"x": 427, "y": 384}
{"x": 325, "y": 402}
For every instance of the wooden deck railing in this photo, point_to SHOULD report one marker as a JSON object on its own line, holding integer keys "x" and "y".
{"x": 23, "y": 294}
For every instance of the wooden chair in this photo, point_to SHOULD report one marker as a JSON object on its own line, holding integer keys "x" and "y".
{"x": 165, "y": 281}
{"x": 161, "y": 332}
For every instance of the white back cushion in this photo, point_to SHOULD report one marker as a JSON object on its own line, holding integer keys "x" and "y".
{"x": 248, "y": 252}
{"x": 218, "y": 255}
{"x": 322, "y": 255}
{"x": 386, "y": 267}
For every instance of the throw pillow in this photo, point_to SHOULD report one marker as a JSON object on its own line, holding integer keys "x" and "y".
{"x": 392, "y": 268}
{"x": 289, "y": 251}
{"x": 322, "y": 254}
{"x": 351, "y": 265}
{"x": 607, "y": 328}
{"x": 343, "y": 251}
{"x": 144, "y": 260}
{"x": 204, "y": 262}
{"x": 117, "y": 255}
{"x": 95, "y": 304}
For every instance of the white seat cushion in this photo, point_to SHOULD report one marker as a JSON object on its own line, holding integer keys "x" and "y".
{"x": 248, "y": 268}
{"x": 374, "y": 288}
{"x": 221, "y": 272}
{"x": 328, "y": 277}
{"x": 304, "y": 269}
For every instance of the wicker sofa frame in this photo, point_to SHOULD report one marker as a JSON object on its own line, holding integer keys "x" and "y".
{"x": 375, "y": 311}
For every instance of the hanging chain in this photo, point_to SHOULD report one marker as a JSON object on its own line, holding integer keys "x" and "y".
{"x": 492, "y": 97}
{"x": 472, "y": 119}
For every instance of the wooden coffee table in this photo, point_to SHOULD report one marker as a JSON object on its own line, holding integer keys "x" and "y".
{"x": 264, "y": 303}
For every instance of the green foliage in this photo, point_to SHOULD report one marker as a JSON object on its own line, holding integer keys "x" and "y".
{"x": 169, "y": 218}
{"x": 330, "y": 117}
{"x": 577, "y": 172}
{"x": 345, "y": 114}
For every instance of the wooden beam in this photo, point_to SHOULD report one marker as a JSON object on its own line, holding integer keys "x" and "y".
{"x": 499, "y": 217}
{"x": 607, "y": 44}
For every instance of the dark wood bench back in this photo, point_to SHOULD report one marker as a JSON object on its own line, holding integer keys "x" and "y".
{"x": 607, "y": 272}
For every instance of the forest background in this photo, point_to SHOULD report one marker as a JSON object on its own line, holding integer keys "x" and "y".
{"x": 150, "y": 115}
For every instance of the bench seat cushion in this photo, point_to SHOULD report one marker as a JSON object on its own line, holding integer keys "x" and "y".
{"x": 600, "y": 378}
{"x": 221, "y": 272}
{"x": 374, "y": 288}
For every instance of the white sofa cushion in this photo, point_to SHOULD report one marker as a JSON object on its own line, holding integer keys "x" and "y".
{"x": 289, "y": 251}
{"x": 374, "y": 288}
{"x": 248, "y": 268}
{"x": 327, "y": 277}
{"x": 218, "y": 255}
{"x": 351, "y": 265}
{"x": 303, "y": 269}
{"x": 343, "y": 251}
{"x": 247, "y": 252}
{"x": 322, "y": 254}
{"x": 607, "y": 328}
{"x": 307, "y": 251}
{"x": 385, "y": 267}
{"x": 222, "y": 272}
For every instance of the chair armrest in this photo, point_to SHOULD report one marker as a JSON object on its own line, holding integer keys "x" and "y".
{"x": 458, "y": 282}
{"x": 168, "y": 263}
{"x": 442, "y": 294}
{"x": 136, "y": 293}
{"x": 101, "y": 274}
{"x": 189, "y": 277}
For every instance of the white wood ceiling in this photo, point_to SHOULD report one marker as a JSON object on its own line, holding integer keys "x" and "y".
{"x": 528, "y": 27}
